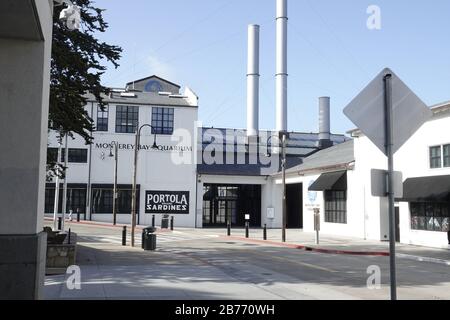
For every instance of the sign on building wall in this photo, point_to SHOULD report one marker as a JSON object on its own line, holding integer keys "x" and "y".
{"x": 167, "y": 202}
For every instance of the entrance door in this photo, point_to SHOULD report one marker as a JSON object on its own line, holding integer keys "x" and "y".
{"x": 294, "y": 206}
{"x": 226, "y": 211}
{"x": 397, "y": 224}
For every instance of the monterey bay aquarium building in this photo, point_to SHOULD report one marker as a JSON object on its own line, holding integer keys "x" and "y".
{"x": 209, "y": 177}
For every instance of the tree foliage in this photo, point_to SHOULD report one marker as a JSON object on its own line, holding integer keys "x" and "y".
{"x": 78, "y": 61}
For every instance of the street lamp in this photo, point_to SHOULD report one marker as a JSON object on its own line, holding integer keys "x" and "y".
{"x": 133, "y": 195}
{"x": 115, "y": 194}
{"x": 283, "y": 136}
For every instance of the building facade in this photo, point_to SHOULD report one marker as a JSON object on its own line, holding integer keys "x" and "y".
{"x": 338, "y": 181}
{"x": 169, "y": 171}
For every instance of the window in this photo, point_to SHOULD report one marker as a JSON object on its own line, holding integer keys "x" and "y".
{"x": 162, "y": 120}
{"x": 336, "y": 206}
{"x": 435, "y": 157}
{"x": 127, "y": 118}
{"x": 102, "y": 118}
{"x": 102, "y": 199}
{"x": 447, "y": 155}
{"x": 76, "y": 198}
{"x": 75, "y": 155}
{"x": 430, "y": 216}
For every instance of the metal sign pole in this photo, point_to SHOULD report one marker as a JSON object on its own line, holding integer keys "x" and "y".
{"x": 390, "y": 181}
{"x": 283, "y": 164}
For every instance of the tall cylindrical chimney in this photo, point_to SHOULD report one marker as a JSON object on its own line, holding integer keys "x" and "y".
{"x": 324, "y": 123}
{"x": 281, "y": 66}
{"x": 253, "y": 81}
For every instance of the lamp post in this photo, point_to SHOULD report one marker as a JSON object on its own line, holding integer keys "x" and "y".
{"x": 133, "y": 194}
{"x": 283, "y": 137}
{"x": 115, "y": 192}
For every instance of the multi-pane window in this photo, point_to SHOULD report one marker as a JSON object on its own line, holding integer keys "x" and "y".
{"x": 435, "y": 157}
{"x": 335, "y": 206}
{"x": 127, "y": 118}
{"x": 102, "y": 118}
{"x": 430, "y": 216}
{"x": 76, "y": 199}
{"x": 447, "y": 155}
{"x": 162, "y": 120}
{"x": 102, "y": 200}
{"x": 75, "y": 155}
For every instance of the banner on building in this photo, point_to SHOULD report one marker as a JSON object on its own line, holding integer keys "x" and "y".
{"x": 167, "y": 202}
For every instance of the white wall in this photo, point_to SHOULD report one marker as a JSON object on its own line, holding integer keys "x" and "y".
{"x": 413, "y": 161}
{"x": 157, "y": 170}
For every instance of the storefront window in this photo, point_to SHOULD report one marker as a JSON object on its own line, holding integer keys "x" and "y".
{"x": 431, "y": 216}
{"x": 76, "y": 199}
{"x": 102, "y": 200}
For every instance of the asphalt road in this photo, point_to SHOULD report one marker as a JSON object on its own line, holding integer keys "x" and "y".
{"x": 198, "y": 265}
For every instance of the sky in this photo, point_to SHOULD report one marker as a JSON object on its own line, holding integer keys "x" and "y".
{"x": 202, "y": 44}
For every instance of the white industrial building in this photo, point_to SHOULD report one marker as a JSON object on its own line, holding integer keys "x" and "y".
{"x": 338, "y": 182}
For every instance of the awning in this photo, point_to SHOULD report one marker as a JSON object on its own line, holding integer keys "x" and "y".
{"x": 435, "y": 188}
{"x": 330, "y": 181}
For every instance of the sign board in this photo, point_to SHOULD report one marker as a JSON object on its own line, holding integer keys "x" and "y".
{"x": 366, "y": 111}
{"x": 270, "y": 213}
{"x": 247, "y": 217}
{"x": 167, "y": 202}
{"x": 379, "y": 183}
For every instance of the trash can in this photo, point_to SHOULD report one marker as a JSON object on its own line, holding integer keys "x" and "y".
{"x": 149, "y": 239}
{"x": 165, "y": 222}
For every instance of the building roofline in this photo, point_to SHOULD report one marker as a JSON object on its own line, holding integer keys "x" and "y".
{"x": 154, "y": 76}
{"x": 436, "y": 109}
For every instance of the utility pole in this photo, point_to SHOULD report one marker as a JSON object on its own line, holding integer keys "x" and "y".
{"x": 64, "y": 204}
{"x": 133, "y": 193}
{"x": 115, "y": 194}
{"x": 58, "y": 167}
{"x": 283, "y": 167}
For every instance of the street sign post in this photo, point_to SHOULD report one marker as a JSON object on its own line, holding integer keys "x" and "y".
{"x": 388, "y": 113}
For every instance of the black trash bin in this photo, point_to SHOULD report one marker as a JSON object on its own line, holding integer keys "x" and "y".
{"x": 149, "y": 239}
{"x": 165, "y": 222}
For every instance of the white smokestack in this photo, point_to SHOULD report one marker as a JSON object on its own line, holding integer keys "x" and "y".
{"x": 253, "y": 81}
{"x": 324, "y": 122}
{"x": 281, "y": 71}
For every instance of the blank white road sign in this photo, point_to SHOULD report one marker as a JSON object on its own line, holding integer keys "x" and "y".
{"x": 366, "y": 111}
{"x": 379, "y": 183}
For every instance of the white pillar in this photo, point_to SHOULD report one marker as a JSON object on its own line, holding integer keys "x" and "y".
{"x": 253, "y": 81}
{"x": 281, "y": 67}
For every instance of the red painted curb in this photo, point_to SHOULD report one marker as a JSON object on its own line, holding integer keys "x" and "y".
{"x": 308, "y": 248}
{"x": 118, "y": 226}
